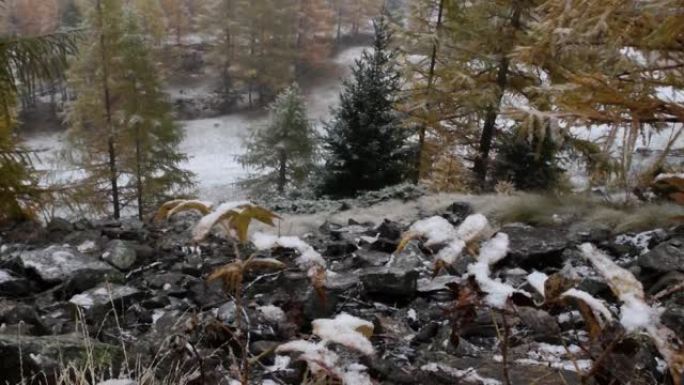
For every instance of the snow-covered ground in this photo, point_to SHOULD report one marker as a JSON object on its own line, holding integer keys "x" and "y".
{"x": 211, "y": 144}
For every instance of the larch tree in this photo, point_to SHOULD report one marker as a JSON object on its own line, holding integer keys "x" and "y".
{"x": 121, "y": 131}
{"x": 422, "y": 33}
{"x": 481, "y": 74}
{"x": 267, "y": 37}
{"x": 615, "y": 64}
{"x": 314, "y": 34}
{"x": 365, "y": 141}
{"x": 151, "y": 19}
{"x": 178, "y": 21}
{"x": 282, "y": 152}
{"x": 21, "y": 58}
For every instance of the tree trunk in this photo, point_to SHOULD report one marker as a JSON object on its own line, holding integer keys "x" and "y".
{"x": 138, "y": 173}
{"x": 431, "y": 79}
{"x": 492, "y": 111}
{"x": 282, "y": 172}
{"x": 113, "y": 172}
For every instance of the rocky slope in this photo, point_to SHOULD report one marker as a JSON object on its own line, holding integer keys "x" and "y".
{"x": 122, "y": 295}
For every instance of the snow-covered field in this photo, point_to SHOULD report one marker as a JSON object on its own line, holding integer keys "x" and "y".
{"x": 211, "y": 144}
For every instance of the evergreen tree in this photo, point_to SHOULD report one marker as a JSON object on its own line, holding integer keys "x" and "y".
{"x": 530, "y": 162}
{"x": 365, "y": 140}
{"x": 284, "y": 148}
{"x": 121, "y": 127}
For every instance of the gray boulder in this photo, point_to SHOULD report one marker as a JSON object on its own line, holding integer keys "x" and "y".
{"x": 390, "y": 282}
{"x": 533, "y": 245}
{"x": 11, "y": 286}
{"x": 57, "y": 264}
{"x": 665, "y": 257}
{"x": 120, "y": 254}
{"x": 42, "y": 355}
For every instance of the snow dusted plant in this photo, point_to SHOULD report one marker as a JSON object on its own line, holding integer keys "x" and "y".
{"x": 233, "y": 217}
{"x": 325, "y": 364}
{"x": 636, "y": 315}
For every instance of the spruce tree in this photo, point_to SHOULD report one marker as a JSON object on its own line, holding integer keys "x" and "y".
{"x": 121, "y": 128}
{"x": 282, "y": 150}
{"x": 365, "y": 141}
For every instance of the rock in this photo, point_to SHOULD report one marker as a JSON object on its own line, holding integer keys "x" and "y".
{"x": 13, "y": 287}
{"x": 457, "y": 212}
{"x": 539, "y": 321}
{"x": 371, "y": 257}
{"x": 665, "y": 257}
{"x": 41, "y": 356}
{"x": 389, "y": 230}
{"x": 395, "y": 283}
{"x": 59, "y": 225}
{"x": 15, "y": 313}
{"x": 120, "y": 254}
{"x": 409, "y": 258}
{"x": 427, "y": 285}
{"x": 98, "y": 301}
{"x": 27, "y": 232}
{"x": 340, "y": 248}
{"x": 532, "y": 246}
{"x": 57, "y": 264}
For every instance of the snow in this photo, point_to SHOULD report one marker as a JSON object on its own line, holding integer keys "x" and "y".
{"x": 492, "y": 252}
{"x": 5, "y": 276}
{"x": 411, "y": 315}
{"x": 537, "y": 280}
{"x": 472, "y": 226}
{"x": 316, "y": 355}
{"x": 87, "y": 246}
{"x": 451, "y": 252}
{"x": 596, "y": 305}
{"x": 640, "y": 240}
{"x": 346, "y": 330}
{"x": 495, "y": 249}
{"x": 123, "y": 381}
{"x": 436, "y": 229}
{"x": 668, "y": 176}
{"x": 280, "y": 363}
{"x": 308, "y": 257}
{"x": 635, "y": 314}
{"x": 469, "y": 375}
{"x": 355, "y": 374}
{"x": 272, "y": 313}
{"x": 85, "y": 301}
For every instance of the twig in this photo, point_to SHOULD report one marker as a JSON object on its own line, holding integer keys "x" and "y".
{"x": 597, "y": 363}
{"x": 504, "y": 345}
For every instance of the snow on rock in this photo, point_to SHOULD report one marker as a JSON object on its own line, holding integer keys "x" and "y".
{"x": 317, "y": 356}
{"x": 450, "y": 253}
{"x": 123, "y": 381}
{"x": 469, "y": 376}
{"x": 537, "y": 280}
{"x": 308, "y": 257}
{"x": 472, "y": 226}
{"x": 280, "y": 363}
{"x": 495, "y": 249}
{"x": 346, "y": 330}
{"x": 492, "y": 252}
{"x": 272, "y": 313}
{"x": 355, "y": 374}
{"x": 436, "y": 229}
